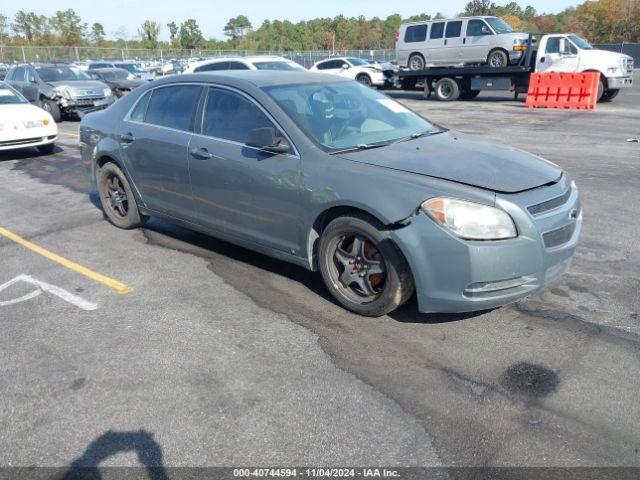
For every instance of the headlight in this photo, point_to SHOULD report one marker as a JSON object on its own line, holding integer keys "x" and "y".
{"x": 107, "y": 92}
{"x": 471, "y": 221}
{"x": 62, "y": 92}
{"x": 36, "y": 123}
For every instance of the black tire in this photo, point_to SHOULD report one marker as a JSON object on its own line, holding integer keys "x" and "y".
{"x": 602, "y": 87}
{"x": 447, "y": 89}
{"x": 469, "y": 94}
{"x": 416, "y": 62}
{"x": 369, "y": 294}
{"x": 498, "y": 58}
{"x": 364, "y": 79}
{"x": 609, "y": 95}
{"x": 47, "y": 149}
{"x": 122, "y": 212}
{"x": 52, "y": 109}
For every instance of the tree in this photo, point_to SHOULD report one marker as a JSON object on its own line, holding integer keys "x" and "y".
{"x": 149, "y": 32}
{"x": 4, "y": 25}
{"x": 97, "y": 33}
{"x": 190, "y": 34}
{"x": 173, "y": 32}
{"x": 26, "y": 25}
{"x": 69, "y": 26}
{"x": 236, "y": 28}
{"x": 479, "y": 7}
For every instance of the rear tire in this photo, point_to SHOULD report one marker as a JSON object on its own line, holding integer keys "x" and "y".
{"x": 416, "y": 62}
{"x": 469, "y": 94}
{"x": 117, "y": 198}
{"x": 498, "y": 58}
{"x": 52, "y": 109}
{"x": 361, "y": 266}
{"x": 447, "y": 89}
{"x": 609, "y": 95}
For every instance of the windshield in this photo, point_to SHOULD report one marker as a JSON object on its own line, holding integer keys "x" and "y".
{"x": 499, "y": 25}
{"x": 345, "y": 115}
{"x": 131, "y": 67}
{"x": 580, "y": 42}
{"x": 357, "y": 62}
{"x": 80, "y": 75}
{"x": 277, "y": 65}
{"x": 118, "y": 74}
{"x": 57, "y": 74}
{"x": 9, "y": 96}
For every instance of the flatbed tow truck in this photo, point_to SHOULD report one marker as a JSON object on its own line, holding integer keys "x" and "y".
{"x": 565, "y": 53}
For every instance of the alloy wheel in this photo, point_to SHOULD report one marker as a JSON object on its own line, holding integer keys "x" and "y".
{"x": 116, "y": 196}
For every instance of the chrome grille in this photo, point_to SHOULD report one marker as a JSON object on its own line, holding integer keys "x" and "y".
{"x": 560, "y": 236}
{"x": 630, "y": 66}
{"x": 548, "y": 205}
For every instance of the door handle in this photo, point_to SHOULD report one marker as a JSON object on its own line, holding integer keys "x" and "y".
{"x": 127, "y": 138}
{"x": 464, "y": 40}
{"x": 201, "y": 153}
{"x": 445, "y": 41}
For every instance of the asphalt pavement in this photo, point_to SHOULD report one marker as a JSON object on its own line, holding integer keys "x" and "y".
{"x": 215, "y": 355}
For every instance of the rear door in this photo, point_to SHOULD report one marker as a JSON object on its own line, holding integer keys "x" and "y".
{"x": 250, "y": 193}
{"x": 477, "y": 42}
{"x": 154, "y": 140}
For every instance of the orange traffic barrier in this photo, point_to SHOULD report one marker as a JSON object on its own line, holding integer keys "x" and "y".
{"x": 563, "y": 90}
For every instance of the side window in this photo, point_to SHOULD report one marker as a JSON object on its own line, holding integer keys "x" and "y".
{"x": 237, "y": 66}
{"x": 416, "y": 33}
{"x": 553, "y": 45}
{"x": 31, "y": 75}
{"x": 173, "y": 106}
{"x": 453, "y": 29}
{"x": 18, "y": 76}
{"x": 570, "y": 48}
{"x": 323, "y": 66}
{"x": 137, "y": 115}
{"x": 231, "y": 116}
{"x": 474, "y": 28}
{"x": 213, "y": 67}
{"x": 437, "y": 30}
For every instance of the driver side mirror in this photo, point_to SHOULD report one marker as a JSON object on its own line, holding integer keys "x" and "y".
{"x": 345, "y": 66}
{"x": 267, "y": 139}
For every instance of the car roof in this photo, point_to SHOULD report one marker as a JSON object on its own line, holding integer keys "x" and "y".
{"x": 257, "y": 78}
{"x": 109, "y": 69}
{"x": 422, "y": 22}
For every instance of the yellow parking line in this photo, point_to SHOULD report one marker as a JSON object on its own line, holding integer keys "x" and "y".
{"x": 75, "y": 135}
{"x": 109, "y": 282}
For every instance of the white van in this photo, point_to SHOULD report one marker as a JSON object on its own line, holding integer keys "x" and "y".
{"x": 459, "y": 41}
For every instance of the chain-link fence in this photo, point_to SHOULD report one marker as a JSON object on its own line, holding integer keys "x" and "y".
{"x": 631, "y": 49}
{"x": 12, "y": 54}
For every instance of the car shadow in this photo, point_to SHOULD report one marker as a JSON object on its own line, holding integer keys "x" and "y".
{"x": 111, "y": 443}
{"x": 189, "y": 241}
{"x": 26, "y": 153}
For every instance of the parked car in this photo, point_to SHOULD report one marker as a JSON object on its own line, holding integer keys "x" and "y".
{"x": 331, "y": 175}
{"x": 120, "y": 81}
{"x": 354, "y": 68}
{"x": 24, "y": 125}
{"x": 244, "y": 63}
{"x": 131, "y": 67}
{"x": 59, "y": 90}
{"x": 459, "y": 41}
{"x": 389, "y": 70}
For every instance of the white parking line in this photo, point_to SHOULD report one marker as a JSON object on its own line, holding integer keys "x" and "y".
{"x": 45, "y": 287}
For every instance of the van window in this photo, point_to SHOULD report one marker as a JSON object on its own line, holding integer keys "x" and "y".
{"x": 437, "y": 30}
{"x": 416, "y": 33}
{"x": 173, "y": 106}
{"x": 453, "y": 29}
{"x": 474, "y": 28}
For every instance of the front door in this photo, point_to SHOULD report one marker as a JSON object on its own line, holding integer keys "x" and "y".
{"x": 477, "y": 42}
{"x": 251, "y": 192}
{"x": 155, "y": 143}
{"x": 560, "y": 55}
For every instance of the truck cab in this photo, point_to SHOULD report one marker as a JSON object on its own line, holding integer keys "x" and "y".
{"x": 568, "y": 53}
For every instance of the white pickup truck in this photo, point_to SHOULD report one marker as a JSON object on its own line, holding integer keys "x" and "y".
{"x": 564, "y": 52}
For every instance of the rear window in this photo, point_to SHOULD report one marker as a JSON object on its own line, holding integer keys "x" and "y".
{"x": 453, "y": 29}
{"x": 237, "y": 66}
{"x": 437, "y": 30}
{"x": 415, "y": 33}
{"x": 173, "y": 107}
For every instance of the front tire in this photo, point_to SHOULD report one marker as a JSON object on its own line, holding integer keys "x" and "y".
{"x": 497, "y": 59}
{"x": 609, "y": 95}
{"x": 361, "y": 266}
{"x": 52, "y": 109}
{"x": 364, "y": 79}
{"x": 117, "y": 198}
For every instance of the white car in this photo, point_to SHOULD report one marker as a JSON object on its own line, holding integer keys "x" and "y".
{"x": 262, "y": 62}
{"x": 354, "y": 68}
{"x": 24, "y": 125}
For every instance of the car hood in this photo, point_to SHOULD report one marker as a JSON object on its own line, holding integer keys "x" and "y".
{"x": 78, "y": 84}
{"x": 23, "y": 112}
{"x": 463, "y": 159}
{"x": 128, "y": 83}
{"x": 611, "y": 58}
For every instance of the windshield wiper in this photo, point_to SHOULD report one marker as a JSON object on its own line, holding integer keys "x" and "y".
{"x": 359, "y": 147}
{"x": 413, "y": 136}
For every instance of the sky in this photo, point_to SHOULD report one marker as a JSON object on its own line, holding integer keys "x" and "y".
{"x": 212, "y": 15}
